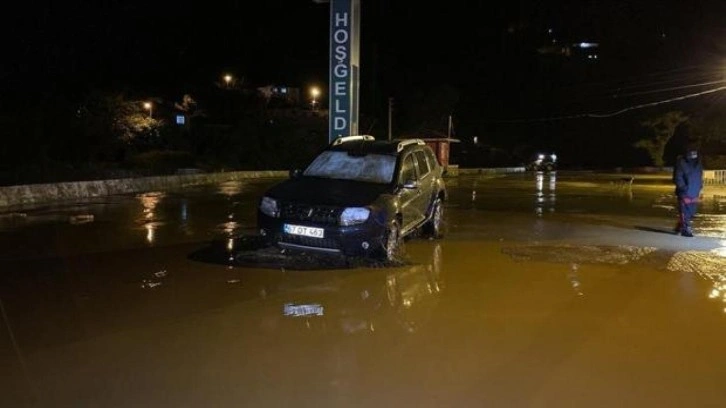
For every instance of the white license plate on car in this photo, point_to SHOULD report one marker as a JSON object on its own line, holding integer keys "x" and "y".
{"x": 304, "y": 231}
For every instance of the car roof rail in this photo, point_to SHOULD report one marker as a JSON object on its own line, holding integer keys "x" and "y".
{"x": 405, "y": 142}
{"x": 343, "y": 139}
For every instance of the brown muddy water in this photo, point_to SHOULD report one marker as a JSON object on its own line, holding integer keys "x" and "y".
{"x": 548, "y": 290}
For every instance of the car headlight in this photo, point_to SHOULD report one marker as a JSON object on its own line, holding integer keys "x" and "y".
{"x": 269, "y": 207}
{"x": 354, "y": 215}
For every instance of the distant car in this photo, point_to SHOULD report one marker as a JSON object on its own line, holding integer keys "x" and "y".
{"x": 543, "y": 162}
{"x": 358, "y": 197}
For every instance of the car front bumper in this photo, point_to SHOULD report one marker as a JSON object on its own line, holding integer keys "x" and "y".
{"x": 355, "y": 240}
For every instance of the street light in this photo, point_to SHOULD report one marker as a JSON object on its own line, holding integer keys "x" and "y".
{"x": 314, "y": 92}
{"x": 227, "y": 79}
{"x": 149, "y": 106}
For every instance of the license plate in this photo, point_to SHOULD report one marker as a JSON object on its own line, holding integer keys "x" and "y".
{"x": 304, "y": 231}
{"x": 290, "y": 309}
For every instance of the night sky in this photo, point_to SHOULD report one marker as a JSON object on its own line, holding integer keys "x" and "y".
{"x": 486, "y": 51}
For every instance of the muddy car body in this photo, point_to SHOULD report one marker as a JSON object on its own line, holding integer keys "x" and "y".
{"x": 358, "y": 197}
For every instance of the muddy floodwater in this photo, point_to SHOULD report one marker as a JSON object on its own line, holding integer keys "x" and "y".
{"x": 547, "y": 290}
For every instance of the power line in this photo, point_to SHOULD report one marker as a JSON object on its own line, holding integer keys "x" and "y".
{"x": 646, "y": 105}
{"x": 674, "y": 88}
{"x": 645, "y": 83}
{"x": 618, "y": 112}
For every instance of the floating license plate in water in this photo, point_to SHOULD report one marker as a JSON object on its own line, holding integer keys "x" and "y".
{"x": 304, "y": 231}
{"x": 290, "y": 309}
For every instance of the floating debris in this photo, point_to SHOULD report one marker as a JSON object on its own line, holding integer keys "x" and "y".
{"x": 290, "y": 309}
{"x": 81, "y": 219}
{"x": 149, "y": 284}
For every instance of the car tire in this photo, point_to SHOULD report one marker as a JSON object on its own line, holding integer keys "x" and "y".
{"x": 391, "y": 245}
{"x": 433, "y": 227}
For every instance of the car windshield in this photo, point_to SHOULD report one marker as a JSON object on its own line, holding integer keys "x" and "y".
{"x": 372, "y": 168}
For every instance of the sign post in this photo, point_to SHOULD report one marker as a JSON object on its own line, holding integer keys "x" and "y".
{"x": 344, "y": 68}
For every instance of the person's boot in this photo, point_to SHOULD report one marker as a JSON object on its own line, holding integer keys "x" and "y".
{"x": 687, "y": 232}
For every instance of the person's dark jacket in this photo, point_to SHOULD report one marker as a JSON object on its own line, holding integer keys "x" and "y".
{"x": 688, "y": 177}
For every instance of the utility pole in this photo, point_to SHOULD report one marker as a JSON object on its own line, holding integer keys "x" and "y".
{"x": 450, "y": 126}
{"x": 390, "y": 116}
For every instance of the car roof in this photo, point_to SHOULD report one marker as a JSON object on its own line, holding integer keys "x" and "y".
{"x": 368, "y": 145}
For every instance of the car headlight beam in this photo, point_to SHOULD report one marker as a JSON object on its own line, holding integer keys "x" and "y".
{"x": 354, "y": 215}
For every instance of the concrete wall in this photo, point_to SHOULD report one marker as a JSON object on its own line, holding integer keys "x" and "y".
{"x": 43, "y": 193}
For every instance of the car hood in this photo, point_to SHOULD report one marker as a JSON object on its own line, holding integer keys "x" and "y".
{"x": 311, "y": 190}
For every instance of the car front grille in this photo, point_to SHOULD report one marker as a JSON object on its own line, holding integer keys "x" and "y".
{"x": 311, "y": 213}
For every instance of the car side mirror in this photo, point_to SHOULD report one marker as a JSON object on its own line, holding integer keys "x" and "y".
{"x": 410, "y": 184}
{"x": 295, "y": 173}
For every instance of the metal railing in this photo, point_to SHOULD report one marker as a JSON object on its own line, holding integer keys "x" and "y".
{"x": 714, "y": 177}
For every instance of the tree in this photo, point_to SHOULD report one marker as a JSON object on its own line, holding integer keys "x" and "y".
{"x": 189, "y": 106}
{"x": 663, "y": 127}
{"x": 710, "y": 129}
{"x": 132, "y": 124}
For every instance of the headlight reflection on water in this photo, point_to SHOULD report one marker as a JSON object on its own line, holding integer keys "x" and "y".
{"x": 149, "y": 217}
{"x": 545, "y": 200}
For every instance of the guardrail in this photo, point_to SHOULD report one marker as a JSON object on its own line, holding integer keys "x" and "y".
{"x": 714, "y": 177}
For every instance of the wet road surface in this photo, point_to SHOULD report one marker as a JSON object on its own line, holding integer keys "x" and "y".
{"x": 564, "y": 289}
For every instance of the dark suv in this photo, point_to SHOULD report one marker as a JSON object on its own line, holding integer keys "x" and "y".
{"x": 358, "y": 197}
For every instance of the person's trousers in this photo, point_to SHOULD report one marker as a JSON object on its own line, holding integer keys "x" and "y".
{"x": 687, "y": 208}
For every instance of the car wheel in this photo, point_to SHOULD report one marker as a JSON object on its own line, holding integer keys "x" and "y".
{"x": 433, "y": 228}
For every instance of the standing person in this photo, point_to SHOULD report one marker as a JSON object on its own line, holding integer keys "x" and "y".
{"x": 688, "y": 178}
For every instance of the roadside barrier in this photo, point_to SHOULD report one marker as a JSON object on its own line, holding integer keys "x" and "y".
{"x": 714, "y": 177}
{"x": 41, "y": 193}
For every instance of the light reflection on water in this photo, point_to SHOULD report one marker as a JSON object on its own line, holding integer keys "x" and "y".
{"x": 379, "y": 300}
{"x": 714, "y": 204}
{"x": 709, "y": 265}
{"x": 710, "y": 225}
{"x": 718, "y": 290}
{"x": 545, "y": 198}
{"x": 230, "y": 188}
{"x": 149, "y": 217}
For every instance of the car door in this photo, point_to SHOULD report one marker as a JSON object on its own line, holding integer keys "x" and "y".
{"x": 426, "y": 181}
{"x": 409, "y": 194}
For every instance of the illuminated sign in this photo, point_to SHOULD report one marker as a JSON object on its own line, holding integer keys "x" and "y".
{"x": 343, "y": 108}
